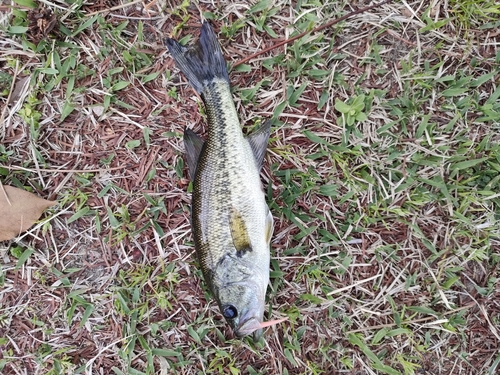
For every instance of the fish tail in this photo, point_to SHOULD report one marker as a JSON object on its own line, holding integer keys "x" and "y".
{"x": 201, "y": 63}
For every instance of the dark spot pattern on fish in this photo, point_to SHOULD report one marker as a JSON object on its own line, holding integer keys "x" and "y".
{"x": 231, "y": 224}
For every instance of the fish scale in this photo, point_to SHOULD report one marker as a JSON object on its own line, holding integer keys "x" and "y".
{"x": 223, "y": 184}
{"x": 230, "y": 220}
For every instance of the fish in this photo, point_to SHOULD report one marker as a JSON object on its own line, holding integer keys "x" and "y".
{"x": 231, "y": 222}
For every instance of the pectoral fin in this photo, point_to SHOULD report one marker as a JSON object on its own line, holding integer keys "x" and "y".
{"x": 269, "y": 227}
{"x": 258, "y": 142}
{"x": 239, "y": 233}
{"x": 193, "y": 144}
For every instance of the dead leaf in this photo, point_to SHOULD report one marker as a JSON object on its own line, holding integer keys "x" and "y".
{"x": 41, "y": 21}
{"x": 19, "y": 209}
{"x": 20, "y": 86}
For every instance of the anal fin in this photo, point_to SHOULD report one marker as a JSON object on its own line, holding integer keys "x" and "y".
{"x": 193, "y": 144}
{"x": 258, "y": 142}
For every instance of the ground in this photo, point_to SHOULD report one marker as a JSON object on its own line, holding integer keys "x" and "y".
{"x": 382, "y": 176}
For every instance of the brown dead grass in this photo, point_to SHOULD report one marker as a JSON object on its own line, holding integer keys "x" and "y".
{"x": 75, "y": 259}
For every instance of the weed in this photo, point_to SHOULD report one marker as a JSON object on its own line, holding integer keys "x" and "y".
{"x": 382, "y": 176}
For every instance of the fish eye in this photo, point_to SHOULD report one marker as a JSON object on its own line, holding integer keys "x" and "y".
{"x": 229, "y": 312}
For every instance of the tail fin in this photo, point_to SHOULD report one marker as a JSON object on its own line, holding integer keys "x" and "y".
{"x": 201, "y": 63}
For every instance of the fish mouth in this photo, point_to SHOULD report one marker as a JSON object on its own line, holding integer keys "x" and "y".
{"x": 251, "y": 326}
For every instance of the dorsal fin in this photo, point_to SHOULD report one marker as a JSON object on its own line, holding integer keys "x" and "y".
{"x": 193, "y": 144}
{"x": 258, "y": 142}
{"x": 239, "y": 232}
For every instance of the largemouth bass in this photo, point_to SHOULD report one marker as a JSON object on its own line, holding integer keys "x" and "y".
{"x": 231, "y": 222}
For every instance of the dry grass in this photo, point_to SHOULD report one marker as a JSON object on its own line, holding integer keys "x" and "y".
{"x": 386, "y": 246}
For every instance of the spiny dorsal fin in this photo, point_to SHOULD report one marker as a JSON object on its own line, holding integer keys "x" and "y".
{"x": 193, "y": 144}
{"x": 258, "y": 142}
{"x": 239, "y": 232}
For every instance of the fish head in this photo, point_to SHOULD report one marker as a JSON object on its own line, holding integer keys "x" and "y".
{"x": 242, "y": 304}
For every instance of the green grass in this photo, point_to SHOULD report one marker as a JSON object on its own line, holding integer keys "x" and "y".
{"x": 471, "y": 13}
{"x": 382, "y": 176}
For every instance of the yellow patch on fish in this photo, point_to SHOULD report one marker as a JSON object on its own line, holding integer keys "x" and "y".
{"x": 239, "y": 232}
